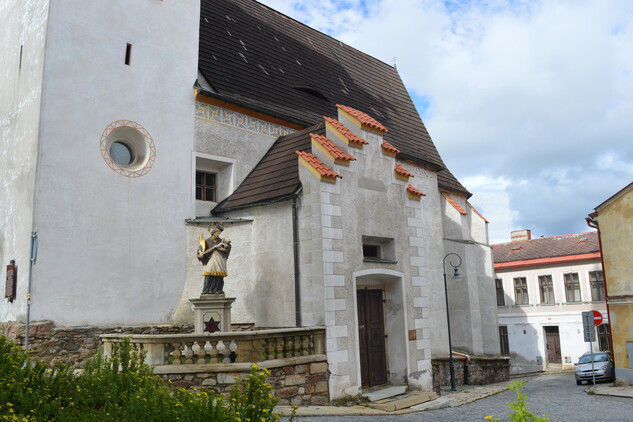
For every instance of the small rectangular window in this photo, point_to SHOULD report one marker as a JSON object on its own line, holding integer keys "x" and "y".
{"x": 503, "y": 340}
{"x": 521, "y": 291}
{"x": 572, "y": 287}
{"x": 128, "y": 53}
{"x": 501, "y": 297}
{"x": 371, "y": 251}
{"x": 547, "y": 288}
{"x": 597, "y": 285}
{"x": 206, "y": 186}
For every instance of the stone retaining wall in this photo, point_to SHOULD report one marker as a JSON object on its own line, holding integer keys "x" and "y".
{"x": 481, "y": 370}
{"x": 73, "y": 345}
{"x": 297, "y": 381}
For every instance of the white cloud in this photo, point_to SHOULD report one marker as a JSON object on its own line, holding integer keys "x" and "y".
{"x": 530, "y": 101}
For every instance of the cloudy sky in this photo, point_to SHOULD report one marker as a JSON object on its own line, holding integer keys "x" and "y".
{"x": 530, "y": 103}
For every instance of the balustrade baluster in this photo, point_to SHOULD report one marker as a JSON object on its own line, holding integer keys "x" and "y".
{"x": 214, "y": 351}
{"x": 222, "y": 350}
{"x": 304, "y": 345}
{"x": 289, "y": 347}
{"x": 270, "y": 349}
{"x": 233, "y": 349}
{"x": 280, "y": 348}
{"x": 176, "y": 354}
{"x": 198, "y": 352}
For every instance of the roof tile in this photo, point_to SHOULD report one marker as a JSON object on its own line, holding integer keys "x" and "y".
{"x": 364, "y": 118}
{"x": 402, "y": 171}
{"x": 477, "y": 212}
{"x": 345, "y": 131}
{"x": 318, "y": 165}
{"x": 454, "y": 203}
{"x": 331, "y": 148}
{"x": 414, "y": 191}
{"x": 388, "y": 147}
{"x": 570, "y": 245}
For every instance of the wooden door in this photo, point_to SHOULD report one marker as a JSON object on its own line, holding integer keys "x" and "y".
{"x": 552, "y": 341}
{"x": 371, "y": 333}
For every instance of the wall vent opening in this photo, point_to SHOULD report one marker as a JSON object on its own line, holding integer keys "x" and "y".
{"x": 128, "y": 54}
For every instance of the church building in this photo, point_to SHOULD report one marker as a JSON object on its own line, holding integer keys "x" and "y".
{"x": 130, "y": 128}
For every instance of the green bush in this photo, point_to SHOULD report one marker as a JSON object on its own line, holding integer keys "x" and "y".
{"x": 122, "y": 388}
{"x": 519, "y": 407}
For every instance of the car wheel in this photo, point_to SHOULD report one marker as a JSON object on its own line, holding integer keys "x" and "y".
{"x": 578, "y": 382}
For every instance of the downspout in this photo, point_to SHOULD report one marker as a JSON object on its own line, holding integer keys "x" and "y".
{"x": 466, "y": 365}
{"x": 591, "y": 222}
{"x": 295, "y": 248}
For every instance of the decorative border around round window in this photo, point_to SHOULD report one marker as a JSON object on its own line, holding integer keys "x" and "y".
{"x": 128, "y": 148}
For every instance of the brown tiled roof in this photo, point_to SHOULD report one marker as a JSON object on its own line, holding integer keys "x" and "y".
{"x": 547, "y": 247}
{"x": 318, "y": 165}
{"x": 345, "y": 131}
{"x": 257, "y": 58}
{"x": 454, "y": 203}
{"x": 363, "y": 118}
{"x": 331, "y": 148}
{"x": 415, "y": 191}
{"x": 401, "y": 170}
{"x": 387, "y": 146}
{"x": 276, "y": 176}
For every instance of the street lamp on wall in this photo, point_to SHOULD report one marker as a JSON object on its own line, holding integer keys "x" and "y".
{"x": 448, "y": 318}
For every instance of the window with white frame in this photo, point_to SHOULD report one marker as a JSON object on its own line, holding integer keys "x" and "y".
{"x": 596, "y": 279}
{"x": 213, "y": 181}
{"x": 521, "y": 291}
{"x": 572, "y": 287}
{"x": 547, "y": 288}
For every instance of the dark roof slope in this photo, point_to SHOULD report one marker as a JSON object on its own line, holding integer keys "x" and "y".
{"x": 276, "y": 176}
{"x": 257, "y": 58}
{"x": 546, "y": 247}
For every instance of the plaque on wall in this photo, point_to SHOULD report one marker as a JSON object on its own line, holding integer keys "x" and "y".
{"x": 12, "y": 275}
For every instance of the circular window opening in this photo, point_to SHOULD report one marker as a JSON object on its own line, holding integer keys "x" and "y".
{"x": 121, "y": 154}
{"x": 128, "y": 148}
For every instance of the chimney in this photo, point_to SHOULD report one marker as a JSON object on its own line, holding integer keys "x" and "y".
{"x": 520, "y": 235}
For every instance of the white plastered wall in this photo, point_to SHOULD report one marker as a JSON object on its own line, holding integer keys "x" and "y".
{"x": 110, "y": 246}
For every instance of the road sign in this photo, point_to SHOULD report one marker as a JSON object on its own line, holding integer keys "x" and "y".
{"x": 588, "y": 320}
{"x": 597, "y": 318}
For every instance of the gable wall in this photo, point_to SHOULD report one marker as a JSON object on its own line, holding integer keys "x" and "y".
{"x": 111, "y": 246}
{"x": 23, "y": 25}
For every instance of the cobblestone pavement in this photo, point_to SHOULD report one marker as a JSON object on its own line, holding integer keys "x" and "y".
{"x": 555, "y": 395}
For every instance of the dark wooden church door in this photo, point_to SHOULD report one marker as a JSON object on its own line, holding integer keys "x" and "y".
{"x": 371, "y": 333}
{"x": 552, "y": 342}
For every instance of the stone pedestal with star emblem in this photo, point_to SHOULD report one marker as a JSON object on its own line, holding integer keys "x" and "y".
{"x": 212, "y": 313}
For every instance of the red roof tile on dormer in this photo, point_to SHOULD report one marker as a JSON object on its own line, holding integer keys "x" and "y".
{"x": 477, "y": 212}
{"x": 451, "y": 201}
{"x": 402, "y": 171}
{"x": 331, "y": 148}
{"x": 364, "y": 118}
{"x": 414, "y": 191}
{"x": 345, "y": 131}
{"x": 318, "y": 165}
{"x": 388, "y": 147}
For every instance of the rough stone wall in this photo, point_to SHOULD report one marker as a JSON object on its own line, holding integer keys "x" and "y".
{"x": 73, "y": 345}
{"x": 481, "y": 370}
{"x": 295, "y": 384}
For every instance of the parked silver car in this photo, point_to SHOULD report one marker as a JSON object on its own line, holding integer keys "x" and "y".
{"x": 602, "y": 365}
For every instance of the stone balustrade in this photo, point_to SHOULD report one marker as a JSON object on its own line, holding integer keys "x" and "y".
{"x": 222, "y": 347}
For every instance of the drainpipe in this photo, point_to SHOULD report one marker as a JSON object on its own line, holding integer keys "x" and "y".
{"x": 32, "y": 259}
{"x": 295, "y": 249}
{"x": 591, "y": 222}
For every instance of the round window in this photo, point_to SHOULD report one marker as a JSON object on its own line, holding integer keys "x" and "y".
{"x": 121, "y": 154}
{"x": 128, "y": 148}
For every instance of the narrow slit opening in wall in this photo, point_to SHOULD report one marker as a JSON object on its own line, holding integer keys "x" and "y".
{"x": 128, "y": 53}
{"x": 20, "y": 64}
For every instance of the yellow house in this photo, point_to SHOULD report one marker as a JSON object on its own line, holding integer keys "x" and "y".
{"x": 614, "y": 220}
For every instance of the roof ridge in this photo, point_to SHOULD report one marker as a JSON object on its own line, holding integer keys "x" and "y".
{"x": 548, "y": 237}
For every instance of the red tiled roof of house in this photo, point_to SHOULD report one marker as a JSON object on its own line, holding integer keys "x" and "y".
{"x": 386, "y": 145}
{"x": 318, "y": 165}
{"x": 454, "y": 203}
{"x": 415, "y": 191}
{"x": 477, "y": 212}
{"x": 401, "y": 170}
{"x": 331, "y": 148}
{"x": 536, "y": 251}
{"x": 345, "y": 131}
{"x": 364, "y": 118}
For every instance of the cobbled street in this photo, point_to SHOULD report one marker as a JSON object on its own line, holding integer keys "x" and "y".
{"x": 555, "y": 395}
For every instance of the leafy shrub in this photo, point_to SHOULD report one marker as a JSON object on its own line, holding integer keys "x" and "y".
{"x": 122, "y": 388}
{"x": 519, "y": 407}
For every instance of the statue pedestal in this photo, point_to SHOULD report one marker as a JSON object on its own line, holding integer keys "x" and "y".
{"x": 212, "y": 313}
